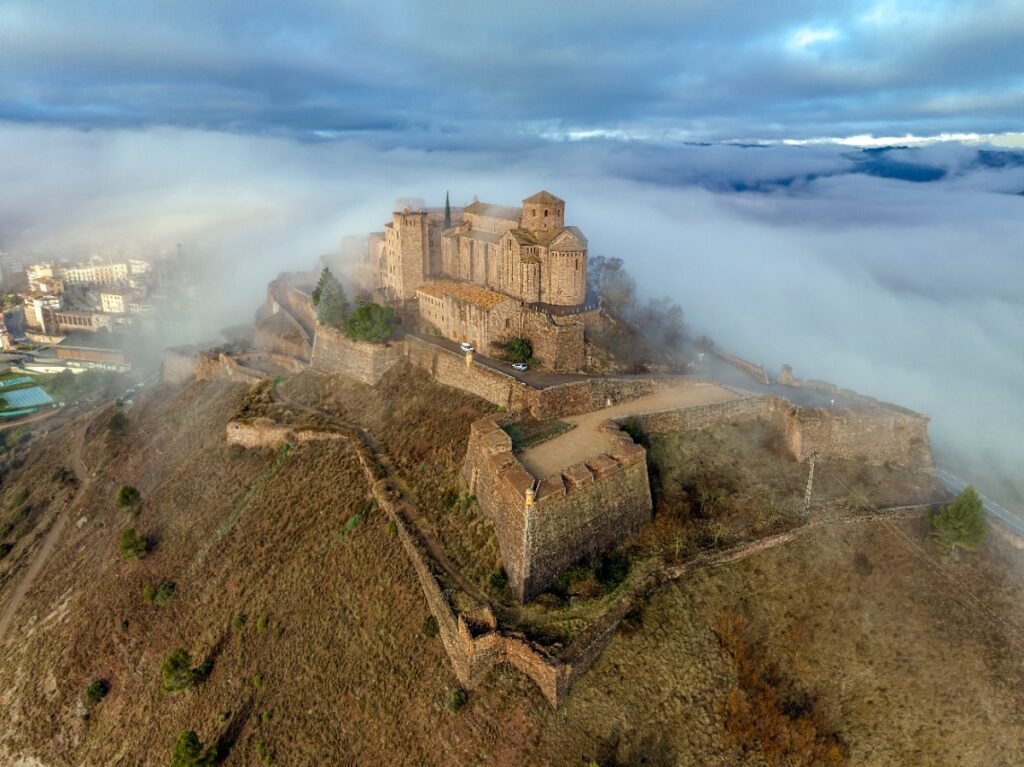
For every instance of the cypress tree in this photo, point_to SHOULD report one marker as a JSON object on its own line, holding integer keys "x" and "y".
{"x": 447, "y": 212}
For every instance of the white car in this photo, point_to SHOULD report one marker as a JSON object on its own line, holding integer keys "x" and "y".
{"x": 520, "y": 366}
{"x": 466, "y": 347}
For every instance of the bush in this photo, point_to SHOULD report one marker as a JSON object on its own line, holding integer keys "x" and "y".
{"x": 519, "y": 350}
{"x": 96, "y": 691}
{"x": 457, "y": 699}
{"x": 133, "y": 545}
{"x": 117, "y": 425}
{"x": 372, "y": 323}
{"x": 188, "y": 752}
{"x": 128, "y": 497}
{"x": 498, "y": 579}
{"x": 429, "y": 627}
{"x": 177, "y": 673}
{"x": 160, "y": 594}
{"x": 236, "y": 451}
{"x": 959, "y": 525}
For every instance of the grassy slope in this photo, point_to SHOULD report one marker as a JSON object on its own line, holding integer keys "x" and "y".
{"x": 900, "y": 668}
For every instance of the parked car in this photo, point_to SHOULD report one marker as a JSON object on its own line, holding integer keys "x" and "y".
{"x": 520, "y": 366}
{"x": 466, "y": 347}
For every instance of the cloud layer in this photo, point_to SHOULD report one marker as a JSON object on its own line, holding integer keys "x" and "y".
{"x": 446, "y": 74}
{"x": 912, "y": 291}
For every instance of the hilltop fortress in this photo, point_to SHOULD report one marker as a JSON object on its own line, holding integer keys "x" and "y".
{"x": 496, "y": 273}
{"x": 492, "y": 274}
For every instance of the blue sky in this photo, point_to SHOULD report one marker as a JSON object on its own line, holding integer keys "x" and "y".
{"x": 471, "y": 74}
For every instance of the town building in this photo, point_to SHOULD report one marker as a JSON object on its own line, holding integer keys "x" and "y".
{"x": 115, "y": 300}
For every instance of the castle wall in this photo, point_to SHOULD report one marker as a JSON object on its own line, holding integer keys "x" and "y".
{"x": 333, "y": 352}
{"x": 264, "y": 432}
{"x": 702, "y": 416}
{"x": 558, "y": 346}
{"x": 281, "y": 333}
{"x": 581, "y": 511}
{"x": 878, "y": 435}
{"x": 755, "y": 371}
{"x": 283, "y": 294}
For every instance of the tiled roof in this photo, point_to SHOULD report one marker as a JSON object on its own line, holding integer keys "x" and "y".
{"x": 545, "y": 198}
{"x": 494, "y": 211}
{"x": 463, "y": 291}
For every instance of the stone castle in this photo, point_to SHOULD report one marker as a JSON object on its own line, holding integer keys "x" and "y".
{"x": 492, "y": 274}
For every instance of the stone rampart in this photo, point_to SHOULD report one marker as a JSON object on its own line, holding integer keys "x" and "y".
{"x": 281, "y": 333}
{"x": 755, "y": 371}
{"x": 289, "y": 292}
{"x": 265, "y": 432}
{"x": 449, "y": 368}
{"x": 702, "y": 416}
{"x": 333, "y": 352}
{"x": 590, "y": 394}
{"x": 556, "y": 343}
{"x": 180, "y": 363}
{"x": 544, "y": 526}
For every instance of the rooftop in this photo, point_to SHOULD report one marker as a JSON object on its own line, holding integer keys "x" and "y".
{"x": 463, "y": 291}
{"x": 494, "y": 211}
{"x": 546, "y": 198}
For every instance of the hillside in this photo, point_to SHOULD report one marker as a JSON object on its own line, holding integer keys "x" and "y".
{"x": 296, "y": 590}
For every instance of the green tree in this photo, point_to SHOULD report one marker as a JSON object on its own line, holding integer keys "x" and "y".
{"x": 128, "y": 496}
{"x": 959, "y": 525}
{"x": 177, "y": 672}
{"x": 96, "y": 691}
{"x": 447, "y": 212}
{"x": 160, "y": 594}
{"x": 133, "y": 545}
{"x": 118, "y": 424}
{"x": 519, "y": 350}
{"x": 188, "y": 751}
{"x": 332, "y": 306}
{"x": 371, "y": 322}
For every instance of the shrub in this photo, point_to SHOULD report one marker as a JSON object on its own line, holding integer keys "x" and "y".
{"x": 133, "y": 545}
{"x": 127, "y": 497}
{"x": 177, "y": 673}
{"x": 117, "y": 425}
{"x": 372, "y": 323}
{"x": 959, "y": 525}
{"x": 160, "y": 594}
{"x": 519, "y": 350}
{"x": 261, "y": 623}
{"x": 457, "y": 699}
{"x": 96, "y": 691}
{"x": 188, "y": 751}
{"x": 498, "y": 579}
{"x": 236, "y": 451}
{"x": 429, "y": 627}
{"x": 5, "y": 549}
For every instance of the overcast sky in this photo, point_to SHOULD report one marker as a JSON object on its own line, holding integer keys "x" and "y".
{"x": 469, "y": 73}
{"x": 259, "y": 133}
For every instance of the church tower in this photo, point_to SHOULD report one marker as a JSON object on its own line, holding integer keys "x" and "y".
{"x": 543, "y": 212}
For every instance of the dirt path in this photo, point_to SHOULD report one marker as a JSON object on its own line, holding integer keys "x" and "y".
{"x": 52, "y": 535}
{"x": 584, "y": 441}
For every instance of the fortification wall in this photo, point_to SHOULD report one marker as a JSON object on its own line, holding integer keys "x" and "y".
{"x": 333, "y": 352}
{"x": 449, "y": 368}
{"x": 878, "y": 435}
{"x": 265, "y": 432}
{"x": 558, "y": 345}
{"x": 283, "y": 293}
{"x": 588, "y": 395}
{"x": 543, "y": 527}
{"x": 702, "y": 416}
{"x": 755, "y": 371}
{"x": 281, "y": 333}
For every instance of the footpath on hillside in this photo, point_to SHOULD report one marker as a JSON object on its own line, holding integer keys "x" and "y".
{"x": 585, "y": 441}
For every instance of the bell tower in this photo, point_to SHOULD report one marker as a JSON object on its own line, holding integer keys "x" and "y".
{"x": 543, "y": 211}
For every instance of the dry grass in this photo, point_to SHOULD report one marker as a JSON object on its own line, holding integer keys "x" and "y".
{"x": 330, "y": 665}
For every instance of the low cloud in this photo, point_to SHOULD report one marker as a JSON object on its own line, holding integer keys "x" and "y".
{"x": 908, "y": 291}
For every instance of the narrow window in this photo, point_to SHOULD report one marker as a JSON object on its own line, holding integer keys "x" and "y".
{"x": 545, "y": 212}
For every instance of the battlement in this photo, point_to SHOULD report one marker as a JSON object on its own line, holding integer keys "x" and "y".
{"x": 544, "y": 525}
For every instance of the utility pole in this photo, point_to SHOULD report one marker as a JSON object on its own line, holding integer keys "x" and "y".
{"x": 810, "y": 484}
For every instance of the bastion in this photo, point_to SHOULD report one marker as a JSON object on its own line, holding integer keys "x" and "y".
{"x": 545, "y": 525}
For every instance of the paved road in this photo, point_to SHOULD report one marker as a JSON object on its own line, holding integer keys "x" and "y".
{"x": 1000, "y": 512}
{"x": 534, "y": 378}
{"x": 584, "y": 441}
{"x": 52, "y": 536}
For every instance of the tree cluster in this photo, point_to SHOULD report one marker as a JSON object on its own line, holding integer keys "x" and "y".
{"x": 641, "y": 332}
{"x": 959, "y": 525}
{"x": 372, "y": 323}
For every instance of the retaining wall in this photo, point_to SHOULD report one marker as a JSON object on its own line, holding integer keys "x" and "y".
{"x": 333, "y": 352}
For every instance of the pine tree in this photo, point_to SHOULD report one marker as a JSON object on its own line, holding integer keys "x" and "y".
{"x": 325, "y": 277}
{"x": 332, "y": 305}
{"x": 188, "y": 751}
{"x": 959, "y": 525}
{"x": 447, "y": 212}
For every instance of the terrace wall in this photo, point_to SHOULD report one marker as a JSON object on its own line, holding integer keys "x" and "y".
{"x": 333, "y": 352}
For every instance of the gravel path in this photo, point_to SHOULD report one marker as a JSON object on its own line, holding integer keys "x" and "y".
{"x": 585, "y": 442}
